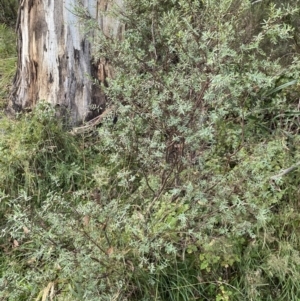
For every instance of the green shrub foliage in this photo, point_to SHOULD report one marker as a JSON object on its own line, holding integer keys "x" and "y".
{"x": 193, "y": 193}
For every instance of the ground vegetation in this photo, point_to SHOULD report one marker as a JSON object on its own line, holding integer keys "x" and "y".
{"x": 189, "y": 187}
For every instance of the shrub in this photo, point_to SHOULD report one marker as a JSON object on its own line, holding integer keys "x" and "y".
{"x": 179, "y": 200}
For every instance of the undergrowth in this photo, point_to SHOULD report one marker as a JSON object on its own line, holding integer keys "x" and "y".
{"x": 188, "y": 196}
{"x": 8, "y": 11}
{"x": 8, "y": 58}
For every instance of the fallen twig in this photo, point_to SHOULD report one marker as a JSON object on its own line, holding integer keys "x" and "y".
{"x": 92, "y": 123}
{"x": 285, "y": 171}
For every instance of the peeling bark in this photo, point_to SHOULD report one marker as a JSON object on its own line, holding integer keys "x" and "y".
{"x": 54, "y": 57}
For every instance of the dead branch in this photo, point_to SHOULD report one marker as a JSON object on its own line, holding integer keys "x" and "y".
{"x": 285, "y": 171}
{"x": 90, "y": 125}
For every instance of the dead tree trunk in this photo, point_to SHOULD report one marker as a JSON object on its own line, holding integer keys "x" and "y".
{"x": 54, "y": 57}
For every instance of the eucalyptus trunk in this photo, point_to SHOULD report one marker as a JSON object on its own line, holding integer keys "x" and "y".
{"x": 55, "y": 63}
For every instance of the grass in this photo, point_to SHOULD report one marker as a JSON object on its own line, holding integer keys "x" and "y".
{"x": 8, "y": 60}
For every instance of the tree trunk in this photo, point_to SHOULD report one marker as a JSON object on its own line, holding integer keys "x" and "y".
{"x": 54, "y": 57}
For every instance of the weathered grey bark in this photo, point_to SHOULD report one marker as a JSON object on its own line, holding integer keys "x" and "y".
{"x": 54, "y": 57}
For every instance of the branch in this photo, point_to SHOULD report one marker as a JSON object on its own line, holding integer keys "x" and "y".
{"x": 92, "y": 123}
{"x": 159, "y": 193}
{"x": 285, "y": 171}
{"x": 257, "y": 1}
